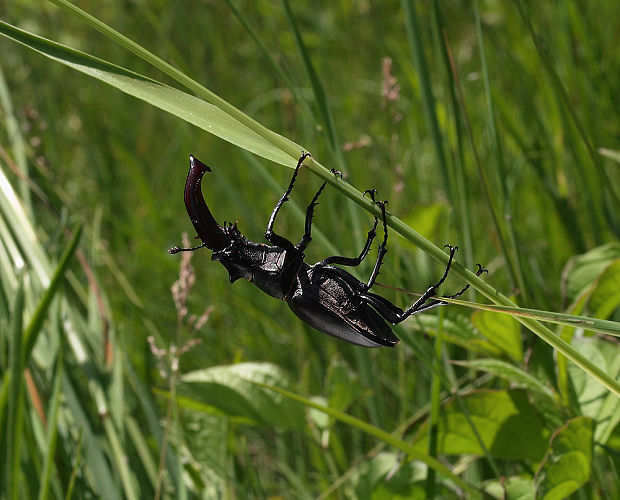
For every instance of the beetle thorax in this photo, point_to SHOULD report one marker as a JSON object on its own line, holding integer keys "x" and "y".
{"x": 266, "y": 266}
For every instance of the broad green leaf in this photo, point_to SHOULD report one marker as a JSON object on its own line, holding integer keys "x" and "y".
{"x": 512, "y": 488}
{"x": 567, "y": 465}
{"x": 501, "y": 330}
{"x": 606, "y": 295}
{"x": 507, "y": 423}
{"x": 427, "y": 219}
{"x": 206, "y": 437}
{"x": 456, "y": 330}
{"x": 508, "y": 372}
{"x": 593, "y": 400}
{"x": 187, "y": 107}
{"x": 583, "y": 270}
{"x": 233, "y": 390}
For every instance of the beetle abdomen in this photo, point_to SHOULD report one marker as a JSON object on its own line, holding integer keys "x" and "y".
{"x": 326, "y": 298}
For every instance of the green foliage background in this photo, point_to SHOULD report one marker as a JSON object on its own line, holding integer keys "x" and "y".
{"x": 510, "y": 151}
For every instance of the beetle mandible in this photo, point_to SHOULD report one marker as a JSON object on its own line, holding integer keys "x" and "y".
{"x": 326, "y": 297}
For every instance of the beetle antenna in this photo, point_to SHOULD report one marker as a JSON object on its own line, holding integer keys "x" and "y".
{"x": 174, "y": 250}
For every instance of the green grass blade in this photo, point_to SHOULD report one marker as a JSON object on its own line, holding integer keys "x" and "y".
{"x": 276, "y": 140}
{"x": 36, "y": 321}
{"x": 16, "y": 140}
{"x": 484, "y": 180}
{"x": 34, "y": 326}
{"x": 561, "y": 91}
{"x": 429, "y": 487}
{"x": 15, "y": 419}
{"x": 428, "y": 100}
{"x": 612, "y": 154}
{"x": 592, "y": 324}
{"x": 317, "y": 86}
{"x": 380, "y": 434}
{"x": 272, "y": 62}
{"x": 460, "y": 201}
{"x": 514, "y": 255}
{"x": 193, "y": 110}
{"x": 52, "y": 426}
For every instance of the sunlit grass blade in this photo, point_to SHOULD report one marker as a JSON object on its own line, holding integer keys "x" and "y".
{"x": 276, "y": 140}
{"x": 16, "y": 140}
{"x": 33, "y": 329}
{"x": 612, "y": 154}
{"x": 591, "y": 324}
{"x": 380, "y": 434}
{"x": 195, "y": 111}
{"x": 15, "y": 419}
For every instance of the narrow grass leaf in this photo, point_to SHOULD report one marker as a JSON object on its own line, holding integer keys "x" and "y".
{"x": 272, "y": 62}
{"x": 612, "y": 154}
{"x": 15, "y": 419}
{"x": 592, "y": 324}
{"x": 508, "y": 372}
{"x": 317, "y": 86}
{"x": 34, "y": 326}
{"x": 428, "y": 99}
{"x": 503, "y": 331}
{"x": 277, "y": 140}
{"x": 548, "y": 66}
{"x": 189, "y": 108}
{"x": 515, "y": 254}
{"x": 52, "y": 426}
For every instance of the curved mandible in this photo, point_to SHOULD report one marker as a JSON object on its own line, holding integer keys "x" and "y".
{"x": 209, "y": 231}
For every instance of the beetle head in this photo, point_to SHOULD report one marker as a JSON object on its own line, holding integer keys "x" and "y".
{"x": 234, "y": 258}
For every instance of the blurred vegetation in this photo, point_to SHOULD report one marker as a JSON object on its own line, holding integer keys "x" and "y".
{"x": 491, "y": 125}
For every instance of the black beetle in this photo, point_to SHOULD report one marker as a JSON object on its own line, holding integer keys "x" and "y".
{"x": 326, "y": 297}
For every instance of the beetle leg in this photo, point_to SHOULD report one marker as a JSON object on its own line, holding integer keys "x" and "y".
{"x": 437, "y": 302}
{"x": 354, "y": 261}
{"x": 310, "y": 213}
{"x": 301, "y": 246}
{"x": 270, "y": 236}
{"x": 396, "y": 315}
{"x": 432, "y": 290}
{"x": 382, "y": 247}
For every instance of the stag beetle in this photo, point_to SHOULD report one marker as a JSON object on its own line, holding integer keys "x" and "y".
{"x": 326, "y": 297}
